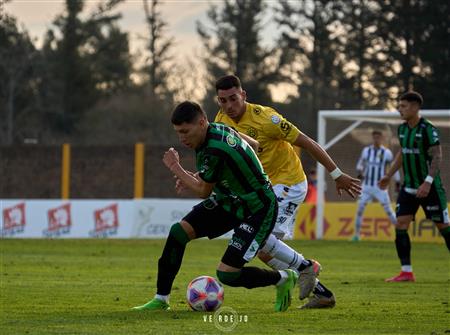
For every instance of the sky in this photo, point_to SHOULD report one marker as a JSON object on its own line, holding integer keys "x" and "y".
{"x": 180, "y": 15}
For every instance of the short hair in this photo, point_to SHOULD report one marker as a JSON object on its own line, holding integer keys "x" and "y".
{"x": 227, "y": 82}
{"x": 377, "y": 132}
{"x": 186, "y": 112}
{"x": 412, "y": 96}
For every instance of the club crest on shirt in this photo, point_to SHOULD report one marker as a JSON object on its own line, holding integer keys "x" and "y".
{"x": 231, "y": 141}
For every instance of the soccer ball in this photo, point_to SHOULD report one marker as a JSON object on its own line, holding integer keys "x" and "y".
{"x": 204, "y": 293}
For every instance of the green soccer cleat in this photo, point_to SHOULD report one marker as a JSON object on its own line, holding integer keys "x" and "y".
{"x": 284, "y": 291}
{"x": 153, "y": 305}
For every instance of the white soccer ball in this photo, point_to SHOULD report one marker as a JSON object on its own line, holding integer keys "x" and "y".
{"x": 204, "y": 293}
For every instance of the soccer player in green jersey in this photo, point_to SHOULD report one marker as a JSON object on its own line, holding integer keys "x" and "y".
{"x": 239, "y": 197}
{"x": 420, "y": 157}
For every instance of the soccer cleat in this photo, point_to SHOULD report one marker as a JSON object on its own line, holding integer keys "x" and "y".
{"x": 307, "y": 279}
{"x": 355, "y": 238}
{"x": 403, "y": 276}
{"x": 153, "y": 305}
{"x": 284, "y": 291}
{"x": 319, "y": 301}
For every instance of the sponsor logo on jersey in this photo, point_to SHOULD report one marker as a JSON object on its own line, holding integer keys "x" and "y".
{"x": 432, "y": 208}
{"x": 237, "y": 243}
{"x": 290, "y": 209}
{"x": 257, "y": 110}
{"x": 275, "y": 119}
{"x": 246, "y": 227}
{"x": 106, "y": 221}
{"x": 410, "y": 151}
{"x": 59, "y": 221}
{"x": 13, "y": 220}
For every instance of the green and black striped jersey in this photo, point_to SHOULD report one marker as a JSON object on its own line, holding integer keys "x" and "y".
{"x": 415, "y": 144}
{"x": 241, "y": 185}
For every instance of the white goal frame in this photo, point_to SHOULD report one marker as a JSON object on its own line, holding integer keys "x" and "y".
{"x": 358, "y": 117}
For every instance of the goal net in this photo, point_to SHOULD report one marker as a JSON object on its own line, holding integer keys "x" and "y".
{"x": 344, "y": 134}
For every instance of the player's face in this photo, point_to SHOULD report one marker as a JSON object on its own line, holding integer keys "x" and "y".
{"x": 407, "y": 109}
{"x": 232, "y": 102}
{"x": 377, "y": 139}
{"x": 192, "y": 134}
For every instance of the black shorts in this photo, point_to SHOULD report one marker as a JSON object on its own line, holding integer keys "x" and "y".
{"x": 434, "y": 205}
{"x": 210, "y": 220}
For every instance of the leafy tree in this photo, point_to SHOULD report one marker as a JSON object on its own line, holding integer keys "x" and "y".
{"x": 233, "y": 44}
{"x": 17, "y": 54}
{"x": 157, "y": 66}
{"x": 90, "y": 58}
{"x": 307, "y": 36}
{"x": 416, "y": 34}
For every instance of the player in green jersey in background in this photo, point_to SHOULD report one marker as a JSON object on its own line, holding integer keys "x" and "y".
{"x": 420, "y": 158}
{"x": 239, "y": 197}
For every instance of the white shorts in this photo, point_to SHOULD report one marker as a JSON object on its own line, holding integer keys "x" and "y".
{"x": 289, "y": 198}
{"x": 370, "y": 193}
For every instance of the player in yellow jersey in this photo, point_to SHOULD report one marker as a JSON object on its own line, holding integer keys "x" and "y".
{"x": 276, "y": 136}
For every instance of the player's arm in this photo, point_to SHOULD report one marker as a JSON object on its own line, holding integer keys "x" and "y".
{"x": 200, "y": 188}
{"x": 344, "y": 182}
{"x": 251, "y": 141}
{"x": 360, "y": 165}
{"x": 384, "y": 181}
{"x": 436, "y": 153}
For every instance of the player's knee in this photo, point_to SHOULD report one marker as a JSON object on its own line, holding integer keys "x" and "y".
{"x": 177, "y": 231}
{"x": 228, "y": 278}
{"x": 264, "y": 256}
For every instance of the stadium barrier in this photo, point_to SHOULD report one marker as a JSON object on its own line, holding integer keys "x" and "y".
{"x": 339, "y": 220}
{"x": 152, "y": 218}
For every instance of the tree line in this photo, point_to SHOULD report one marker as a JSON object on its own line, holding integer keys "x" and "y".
{"x": 83, "y": 85}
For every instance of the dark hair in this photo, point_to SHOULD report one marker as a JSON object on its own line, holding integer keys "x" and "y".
{"x": 412, "y": 96}
{"x": 227, "y": 82}
{"x": 186, "y": 112}
{"x": 377, "y": 132}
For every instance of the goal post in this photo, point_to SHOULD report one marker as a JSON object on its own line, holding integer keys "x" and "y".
{"x": 440, "y": 118}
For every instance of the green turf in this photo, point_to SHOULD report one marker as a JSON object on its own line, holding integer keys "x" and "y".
{"x": 89, "y": 286}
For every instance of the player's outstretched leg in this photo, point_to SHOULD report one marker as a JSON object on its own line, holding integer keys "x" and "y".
{"x": 252, "y": 277}
{"x": 284, "y": 291}
{"x": 168, "y": 266}
{"x": 279, "y": 256}
{"x": 154, "y": 305}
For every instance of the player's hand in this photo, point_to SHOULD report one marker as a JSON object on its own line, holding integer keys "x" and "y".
{"x": 383, "y": 183}
{"x": 348, "y": 184}
{"x": 180, "y": 187}
{"x": 423, "y": 190}
{"x": 171, "y": 158}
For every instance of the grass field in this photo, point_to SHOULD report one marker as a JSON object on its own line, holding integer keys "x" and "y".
{"x": 88, "y": 287}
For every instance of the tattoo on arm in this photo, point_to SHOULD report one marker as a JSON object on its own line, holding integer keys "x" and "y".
{"x": 436, "y": 154}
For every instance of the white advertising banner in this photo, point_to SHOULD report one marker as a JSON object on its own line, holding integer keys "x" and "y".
{"x": 148, "y": 218}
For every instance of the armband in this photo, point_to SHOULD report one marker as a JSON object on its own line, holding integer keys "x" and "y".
{"x": 336, "y": 173}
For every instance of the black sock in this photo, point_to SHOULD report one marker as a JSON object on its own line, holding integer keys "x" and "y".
{"x": 322, "y": 290}
{"x": 304, "y": 265}
{"x": 250, "y": 277}
{"x": 403, "y": 245}
{"x": 171, "y": 258}
{"x": 446, "y": 235}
